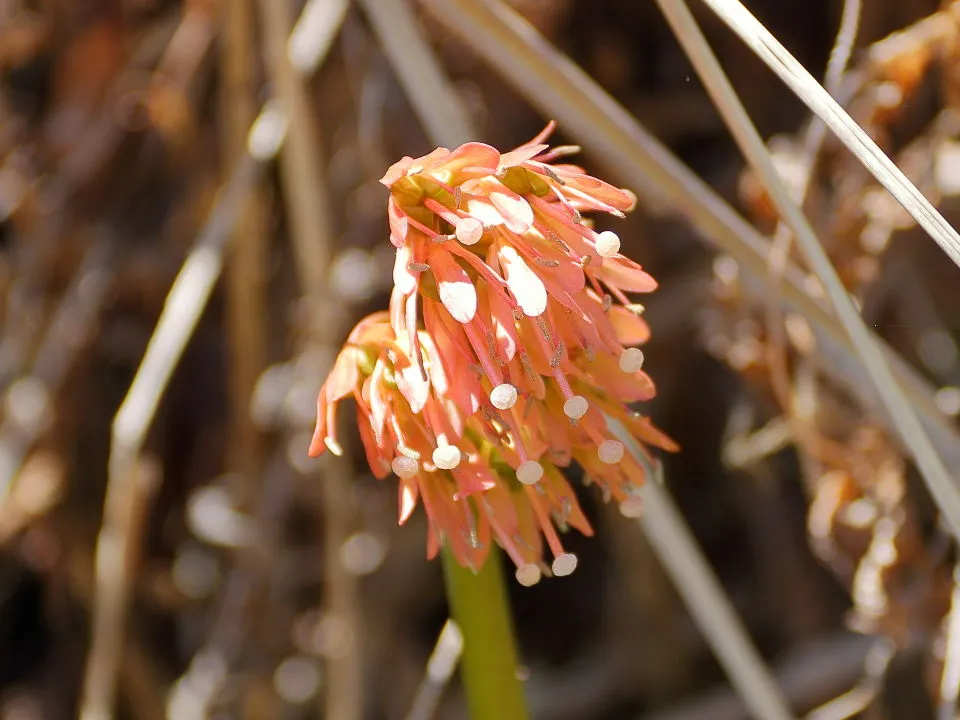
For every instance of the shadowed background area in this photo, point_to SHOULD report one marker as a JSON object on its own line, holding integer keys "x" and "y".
{"x": 262, "y": 584}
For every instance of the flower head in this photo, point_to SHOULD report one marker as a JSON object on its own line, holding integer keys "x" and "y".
{"x": 510, "y": 336}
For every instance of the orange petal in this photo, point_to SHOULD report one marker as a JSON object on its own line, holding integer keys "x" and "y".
{"x": 414, "y": 387}
{"x": 631, "y": 329}
{"x": 520, "y": 155}
{"x": 407, "y": 501}
{"x": 457, "y": 292}
{"x": 626, "y": 387}
{"x": 524, "y": 283}
{"x": 404, "y": 279}
{"x": 471, "y": 480}
{"x": 396, "y": 171}
{"x": 344, "y": 377}
{"x": 565, "y": 500}
{"x": 375, "y": 394}
{"x": 317, "y": 444}
{"x": 375, "y": 459}
{"x": 516, "y": 212}
{"x": 429, "y": 161}
{"x": 399, "y": 223}
{"x": 646, "y": 431}
{"x": 483, "y": 210}
{"x": 624, "y": 274}
{"x": 473, "y": 155}
{"x": 574, "y": 176}
{"x": 501, "y": 319}
{"x": 455, "y": 353}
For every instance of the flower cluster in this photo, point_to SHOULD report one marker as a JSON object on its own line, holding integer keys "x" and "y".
{"x": 509, "y": 338}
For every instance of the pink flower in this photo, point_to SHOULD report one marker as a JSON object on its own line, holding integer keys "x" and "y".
{"x": 510, "y": 335}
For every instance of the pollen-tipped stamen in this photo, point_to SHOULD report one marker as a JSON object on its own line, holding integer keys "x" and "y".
{"x": 564, "y": 564}
{"x": 575, "y": 407}
{"x": 632, "y": 507}
{"x": 475, "y": 339}
{"x": 503, "y": 396}
{"x": 546, "y": 526}
{"x": 530, "y": 472}
{"x": 447, "y": 457}
{"x": 631, "y": 360}
{"x": 610, "y": 452}
{"x": 607, "y": 244}
{"x": 469, "y": 231}
{"x": 405, "y": 467}
{"x": 528, "y": 575}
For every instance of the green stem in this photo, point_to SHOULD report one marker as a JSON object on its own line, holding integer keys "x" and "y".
{"x": 488, "y": 666}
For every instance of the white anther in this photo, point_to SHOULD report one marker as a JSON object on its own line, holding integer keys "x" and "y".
{"x": 610, "y": 452}
{"x": 528, "y": 575}
{"x": 632, "y": 507}
{"x": 575, "y": 407}
{"x": 631, "y": 360}
{"x": 503, "y": 396}
{"x": 607, "y": 243}
{"x": 405, "y": 467}
{"x": 529, "y": 472}
{"x": 469, "y": 231}
{"x": 564, "y": 564}
{"x": 446, "y": 457}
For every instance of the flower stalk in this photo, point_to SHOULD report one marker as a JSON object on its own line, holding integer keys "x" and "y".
{"x": 488, "y": 665}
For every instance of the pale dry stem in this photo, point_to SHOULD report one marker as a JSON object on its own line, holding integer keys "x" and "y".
{"x": 249, "y": 258}
{"x": 901, "y": 413}
{"x": 308, "y": 209}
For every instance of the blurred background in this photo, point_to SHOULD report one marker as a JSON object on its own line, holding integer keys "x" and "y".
{"x": 260, "y": 584}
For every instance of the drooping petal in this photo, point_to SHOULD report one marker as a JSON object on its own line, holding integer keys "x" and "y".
{"x": 565, "y": 500}
{"x": 627, "y": 387}
{"x": 645, "y": 430}
{"x": 456, "y": 355}
{"x": 408, "y": 491}
{"x": 523, "y": 369}
{"x": 317, "y": 442}
{"x": 624, "y": 274}
{"x": 457, "y": 292}
{"x": 475, "y": 158}
{"x": 375, "y": 459}
{"x": 429, "y": 162}
{"x": 558, "y": 268}
{"x": 631, "y": 329}
{"x": 483, "y": 210}
{"x": 516, "y": 212}
{"x": 558, "y": 228}
{"x": 399, "y": 224}
{"x": 414, "y": 386}
{"x": 375, "y": 394}
{"x": 404, "y": 278}
{"x": 520, "y": 155}
{"x": 574, "y": 176}
{"x": 344, "y": 377}
{"x": 502, "y": 322}
{"x": 472, "y": 480}
{"x": 396, "y": 171}
{"x": 523, "y": 282}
